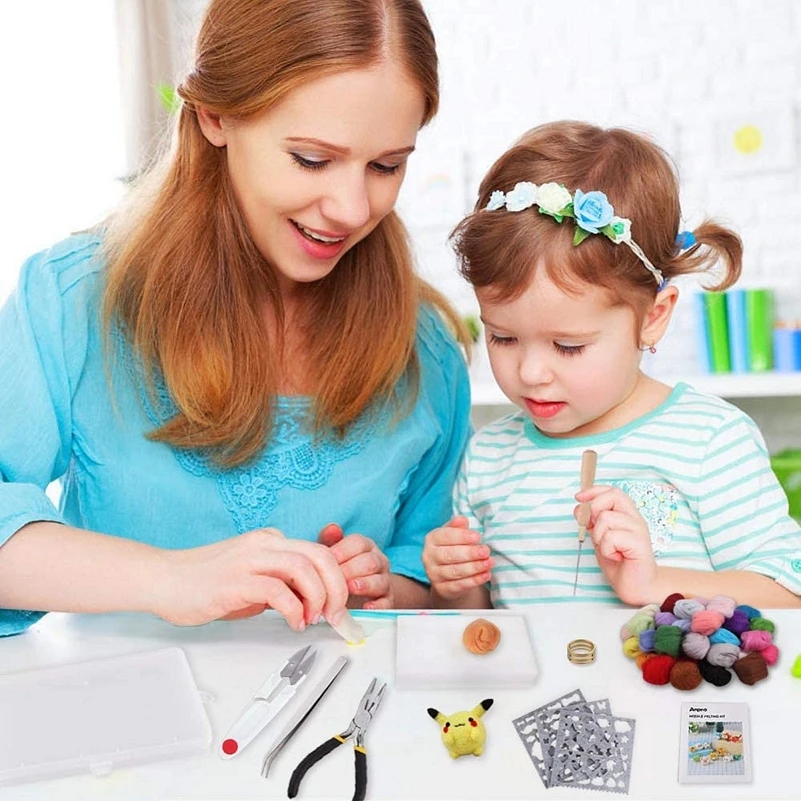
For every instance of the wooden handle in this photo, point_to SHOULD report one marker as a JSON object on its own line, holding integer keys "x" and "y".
{"x": 589, "y": 461}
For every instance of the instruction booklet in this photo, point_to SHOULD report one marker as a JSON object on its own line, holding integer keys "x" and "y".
{"x": 715, "y": 743}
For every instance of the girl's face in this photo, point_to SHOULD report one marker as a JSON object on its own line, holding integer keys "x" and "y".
{"x": 570, "y": 361}
{"x": 318, "y": 171}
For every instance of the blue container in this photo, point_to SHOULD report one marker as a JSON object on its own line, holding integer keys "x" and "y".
{"x": 787, "y": 350}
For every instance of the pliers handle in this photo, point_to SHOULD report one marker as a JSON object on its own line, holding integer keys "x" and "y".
{"x": 323, "y": 750}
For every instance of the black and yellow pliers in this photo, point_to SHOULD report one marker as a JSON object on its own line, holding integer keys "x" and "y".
{"x": 358, "y": 726}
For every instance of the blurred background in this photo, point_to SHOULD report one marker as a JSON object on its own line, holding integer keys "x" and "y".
{"x": 716, "y": 83}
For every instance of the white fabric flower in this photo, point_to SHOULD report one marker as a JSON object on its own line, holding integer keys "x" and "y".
{"x": 497, "y": 201}
{"x": 523, "y": 196}
{"x": 622, "y": 228}
{"x": 553, "y": 197}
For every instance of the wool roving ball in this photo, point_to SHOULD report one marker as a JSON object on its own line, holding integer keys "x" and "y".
{"x": 738, "y": 622}
{"x": 667, "y": 604}
{"x": 755, "y": 640}
{"x": 683, "y": 623}
{"x": 667, "y": 640}
{"x": 762, "y": 624}
{"x": 631, "y": 647}
{"x": 706, "y": 621}
{"x": 751, "y": 668}
{"x": 647, "y": 639}
{"x": 643, "y": 657}
{"x": 687, "y": 607}
{"x": 666, "y": 619}
{"x": 684, "y": 675}
{"x": 714, "y": 674}
{"x": 640, "y": 622}
{"x": 722, "y": 604}
{"x": 656, "y": 670}
{"x": 723, "y": 654}
{"x": 724, "y": 635}
{"x": 749, "y": 611}
{"x": 695, "y": 645}
{"x": 770, "y": 654}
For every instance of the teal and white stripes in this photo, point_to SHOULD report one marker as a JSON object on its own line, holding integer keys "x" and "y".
{"x": 697, "y": 467}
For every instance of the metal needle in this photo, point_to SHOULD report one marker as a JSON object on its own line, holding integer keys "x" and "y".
{"x": 589, "y": 459}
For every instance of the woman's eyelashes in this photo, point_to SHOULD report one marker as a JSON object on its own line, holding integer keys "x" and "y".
{"x": 318, "y": 164}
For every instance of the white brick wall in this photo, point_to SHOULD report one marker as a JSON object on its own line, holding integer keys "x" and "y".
{"x": 689, "y": 73}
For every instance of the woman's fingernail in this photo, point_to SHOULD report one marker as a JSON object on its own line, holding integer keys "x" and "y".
{"x": 336, "y": 618}
{"x": 357, "y": 585}
{"x": 302, "y": 625}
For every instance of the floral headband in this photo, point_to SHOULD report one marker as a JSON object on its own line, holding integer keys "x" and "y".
{"x": 592, "y": 212}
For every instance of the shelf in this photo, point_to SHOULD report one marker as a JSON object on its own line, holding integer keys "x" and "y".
{"x": 730, "y": 385}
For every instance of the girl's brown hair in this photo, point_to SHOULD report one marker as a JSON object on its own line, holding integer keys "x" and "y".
{"x": 185, "y": 280}
{"x": 498, "y": 250}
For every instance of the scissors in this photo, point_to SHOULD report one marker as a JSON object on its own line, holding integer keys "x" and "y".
{"x": 358, "y": 726}
{"x": 268, "y": 701}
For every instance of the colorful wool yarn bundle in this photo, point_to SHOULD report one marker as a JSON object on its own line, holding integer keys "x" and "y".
{"x": 689, "y": 640}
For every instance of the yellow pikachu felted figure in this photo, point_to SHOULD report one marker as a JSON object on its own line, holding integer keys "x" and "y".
{"x": 463, "y": 732}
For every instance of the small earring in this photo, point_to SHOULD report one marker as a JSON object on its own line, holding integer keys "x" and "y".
{"x": 649, "y": 348}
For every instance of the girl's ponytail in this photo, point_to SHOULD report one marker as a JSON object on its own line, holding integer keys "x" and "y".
{"x": 714, "y": 244}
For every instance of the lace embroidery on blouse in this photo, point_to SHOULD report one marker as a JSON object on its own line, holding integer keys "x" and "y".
{"x": 294, "y": 457}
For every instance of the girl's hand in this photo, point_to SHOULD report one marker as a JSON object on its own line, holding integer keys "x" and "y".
{"x": 455, "y": 560}
{"x": 622, "y": 543}
{"x": 364, "y": 566}
{"x": 247, "y": 574}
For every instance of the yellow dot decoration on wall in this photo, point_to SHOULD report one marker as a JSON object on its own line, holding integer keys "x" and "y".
{"x": 748, "y": 139}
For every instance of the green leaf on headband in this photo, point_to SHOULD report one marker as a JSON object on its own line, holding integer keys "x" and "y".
{"x": 557, "y": 216}
{"x": 168, "y": 97}
{"x": 610, "y": 230}
{"x": 567, "y": 211}
{"x": 580, "y": 235}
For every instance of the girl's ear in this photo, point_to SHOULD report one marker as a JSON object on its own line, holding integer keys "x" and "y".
{"x": 658, "y": 316}
{"x": 212, "y": 126}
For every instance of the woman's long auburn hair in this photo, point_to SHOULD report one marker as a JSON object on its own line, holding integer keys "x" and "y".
{"x": 500, "y": 251}
{"x": 185, "y": 281}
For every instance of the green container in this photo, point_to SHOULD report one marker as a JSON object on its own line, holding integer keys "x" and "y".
{"x": 787, "y": 467}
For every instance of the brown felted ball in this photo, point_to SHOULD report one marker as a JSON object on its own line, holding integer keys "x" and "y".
{"x": 684, "y": 675}
{"x": 751, "y": 668}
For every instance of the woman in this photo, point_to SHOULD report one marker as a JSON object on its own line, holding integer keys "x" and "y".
{"x": 242, "y": 354}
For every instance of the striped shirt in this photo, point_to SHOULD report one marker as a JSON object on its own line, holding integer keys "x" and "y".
{"x": 696, "y": 467}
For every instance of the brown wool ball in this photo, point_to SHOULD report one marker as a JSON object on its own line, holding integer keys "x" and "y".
{"x": 684, "y": 675}
{"x": 751, "y": 668}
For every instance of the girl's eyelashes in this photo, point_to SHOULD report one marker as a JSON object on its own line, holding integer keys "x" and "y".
{"x": 568, "y": 350}
{"x": 314, "y": 164}
{"x": 495, "y": 339}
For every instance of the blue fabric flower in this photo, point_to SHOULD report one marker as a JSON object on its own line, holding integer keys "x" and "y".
{"x": 685, "y": 240}
{"x": 592, "y": 211}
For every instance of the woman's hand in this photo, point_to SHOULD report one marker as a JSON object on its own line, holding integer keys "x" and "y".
{"x": 455, "y": 560}
{"x": 364, "y": 565}
{"x": 622, "y": 543}
{"x": 247, "y": 574}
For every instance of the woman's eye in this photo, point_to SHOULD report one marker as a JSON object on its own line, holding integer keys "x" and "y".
{"x": 306, "y": 163}
{"x": 385, "y": 169}
{"x": 568, "y": 350}
{"x": 499, "y": 340}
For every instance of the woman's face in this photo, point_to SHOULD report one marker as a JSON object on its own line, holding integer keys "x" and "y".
{"x": 317, "y": 172}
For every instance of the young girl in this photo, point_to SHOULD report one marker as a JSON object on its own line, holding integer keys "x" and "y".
{"x": 571, "y": 251}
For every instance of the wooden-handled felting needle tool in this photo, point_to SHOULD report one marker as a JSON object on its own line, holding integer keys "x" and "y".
{"x": 589, "y": 460}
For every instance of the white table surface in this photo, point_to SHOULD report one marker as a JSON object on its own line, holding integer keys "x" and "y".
{"x": 406, "y": 759}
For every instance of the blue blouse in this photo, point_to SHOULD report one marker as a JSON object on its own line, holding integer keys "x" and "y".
{"x": 60, "y": 419}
